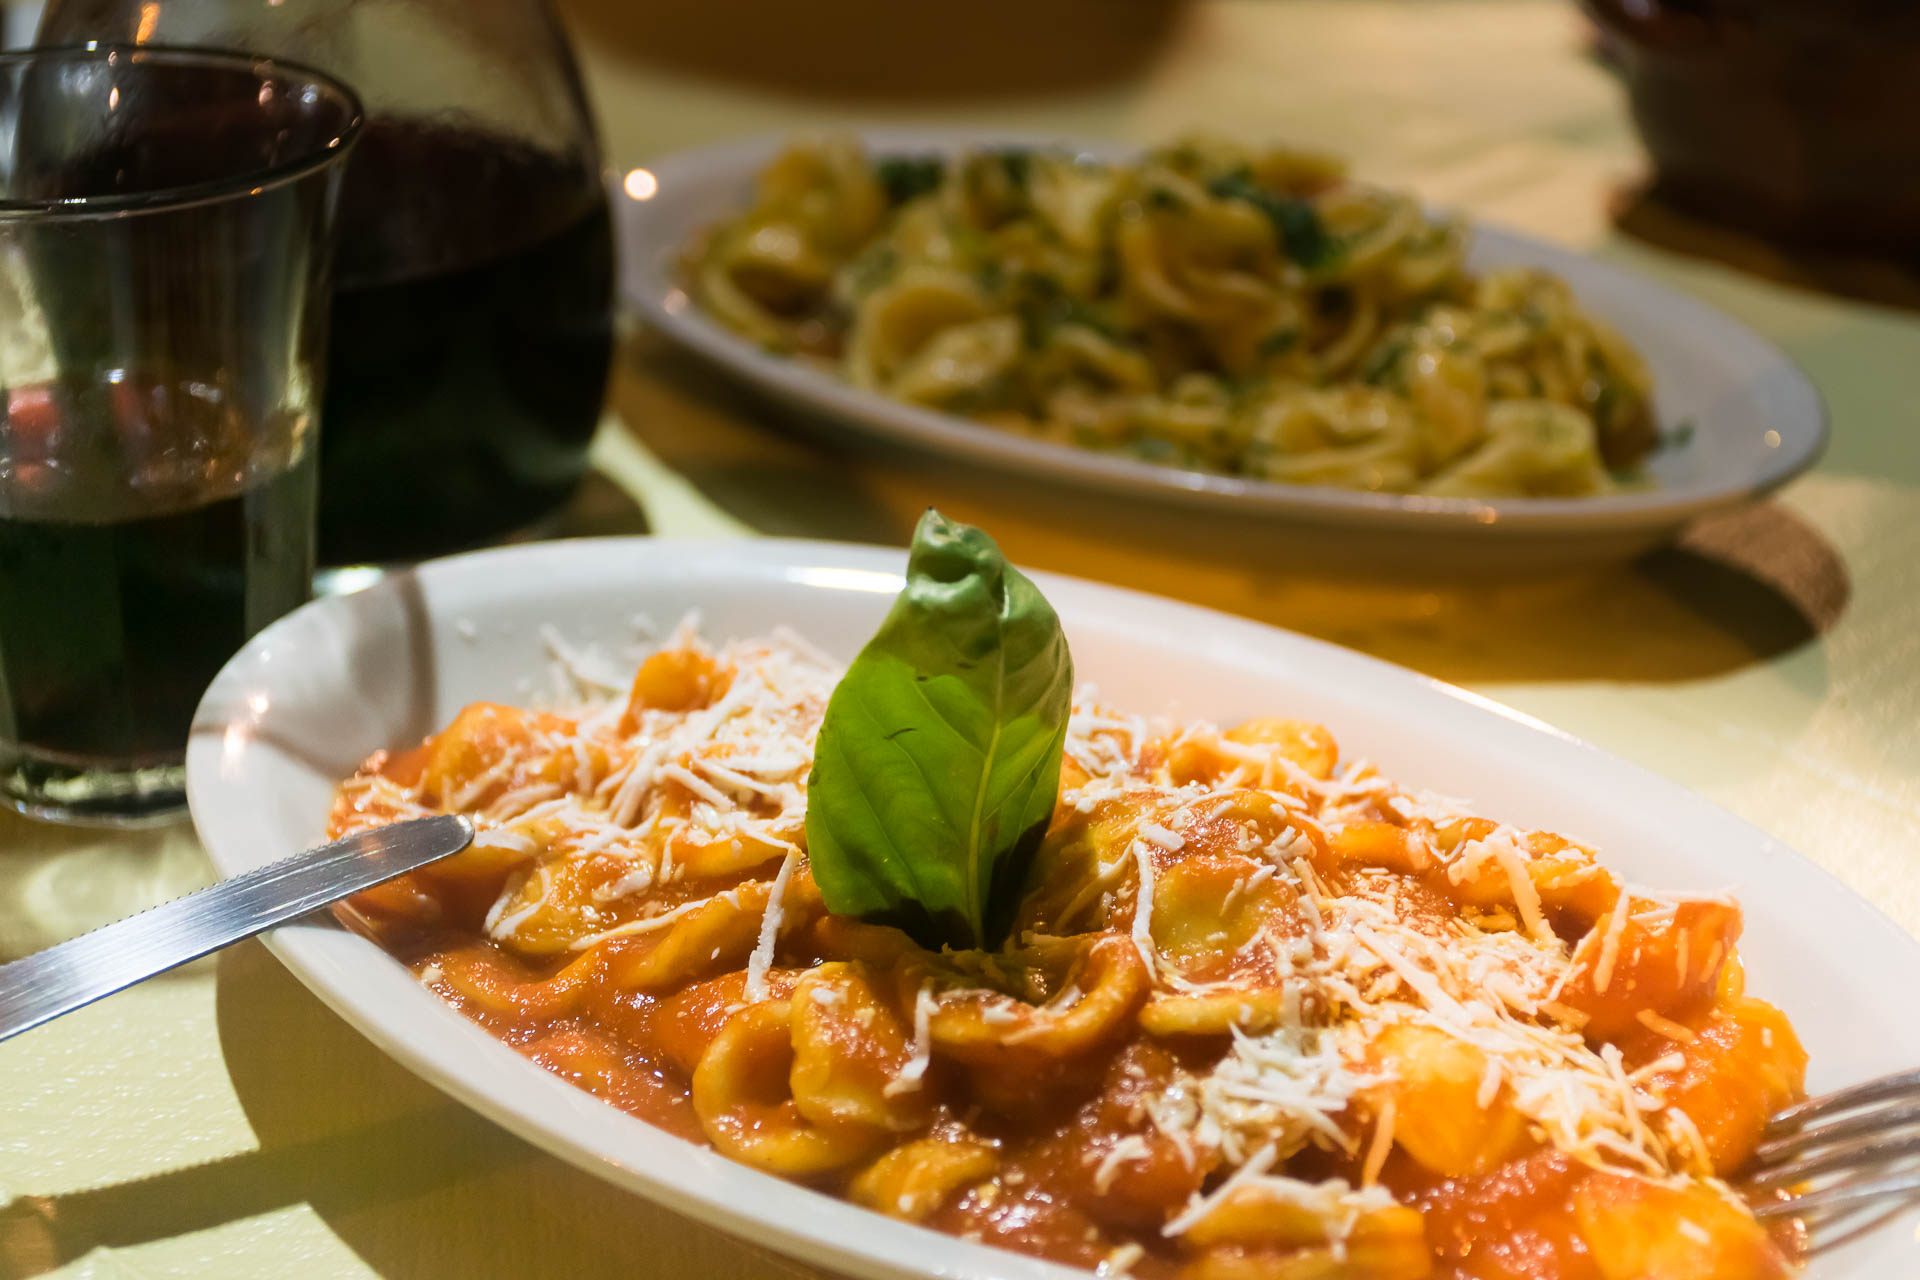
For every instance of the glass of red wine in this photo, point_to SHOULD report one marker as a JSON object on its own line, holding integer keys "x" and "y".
{"x": 166, "y": 221}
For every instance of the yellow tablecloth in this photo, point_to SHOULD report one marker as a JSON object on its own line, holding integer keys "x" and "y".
{"x": 220, "y": 1122}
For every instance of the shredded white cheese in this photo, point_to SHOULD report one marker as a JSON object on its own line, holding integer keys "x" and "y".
{"x": 910, "y": 1076}
{"x": 1125, "y": 1150}
{"x": 1143, "y": 904}
{"x": 1610, "y": 946}
{"x": 762, "y": 957}
{"x": 1201, "y": 1205}
{"x": 1171, "y": 841}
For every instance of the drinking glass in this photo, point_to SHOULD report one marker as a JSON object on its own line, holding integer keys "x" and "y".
{"x": 165, "y": 233}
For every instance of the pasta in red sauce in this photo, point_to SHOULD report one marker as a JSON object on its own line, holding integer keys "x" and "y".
{"x": 1266, "y": 1015}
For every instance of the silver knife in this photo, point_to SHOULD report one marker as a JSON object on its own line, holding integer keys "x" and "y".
{"x": 60, "y": 979}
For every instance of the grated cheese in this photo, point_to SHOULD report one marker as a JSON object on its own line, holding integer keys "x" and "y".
{"x": 1610, "y": 946}
{"x": 1663, "y": 1026}
{"x": 502, "y": 838}
{"x": 517, "y": 802}
{"x": 762, "y": 957}
{"x": 698, "y": 785}
{"x": 1686, "y": 1133}
{"x": 1124, "y": 1151}
{"x": 1069, "y": 996}
{"x": 504, "y": 924}
{"x": 1280, "y": 1089}
{"x": 647, "y": 924}
{"x": 1143, "y": 905}
{"x": 909, "y": 1077}
{"x": 477, "y": 786}
{"x": 1171, "y": 841}
{"x": 584, "y": 670}
{"x": 1382, "y": 1143}
{"x": 1490, "y": 1080}
{"x": 1201, "y": 1205}
{"x": 1525, "y": 897}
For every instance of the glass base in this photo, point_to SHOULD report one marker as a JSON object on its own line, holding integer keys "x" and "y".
{"x": 104, "y": 796}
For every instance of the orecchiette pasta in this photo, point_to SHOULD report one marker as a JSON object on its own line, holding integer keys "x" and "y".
{"x": 851, "y": 1052}
{"x": 1207, "y": 306}
{"x": 1644, "y": 1231}
{"x": 1264, "y": 1015}
{"x": 743, "y": 1097}
{"x": 1445, "y": 1120}
{"x": 915, "y": 1179}
{"x": 717, "y": 935}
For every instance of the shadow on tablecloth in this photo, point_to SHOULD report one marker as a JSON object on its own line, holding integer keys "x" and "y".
{"x": 1640, "y": 214}
{"x": 416, "y": 1185}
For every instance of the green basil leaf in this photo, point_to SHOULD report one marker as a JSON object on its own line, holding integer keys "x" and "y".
{"x": 938, "y": 762}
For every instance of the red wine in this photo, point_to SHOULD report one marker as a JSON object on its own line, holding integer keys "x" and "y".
{"x": 469, "y": 343}
{"x": 124, "y": 588}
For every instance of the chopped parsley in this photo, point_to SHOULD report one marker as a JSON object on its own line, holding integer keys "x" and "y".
{"x": 1017, "y": 164}
{"x": 1605, "y": 400}
{"x": 1383, "y": 362}
{"x": 1154, "y": 449}
{"x": 872, "y": 268}
{"x": 1043, "y": 306}
{"x": 1277, "y": 343}
{"x": 906, "y": 178}
{"x": 1302, "y": 234}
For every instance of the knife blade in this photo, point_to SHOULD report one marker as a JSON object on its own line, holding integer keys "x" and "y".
{"x": 77, "y": 972}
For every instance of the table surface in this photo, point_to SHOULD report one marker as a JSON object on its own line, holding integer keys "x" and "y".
{"x": 220, "y": 1121}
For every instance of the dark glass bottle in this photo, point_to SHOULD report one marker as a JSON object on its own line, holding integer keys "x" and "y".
{"x": 473, "y": 281}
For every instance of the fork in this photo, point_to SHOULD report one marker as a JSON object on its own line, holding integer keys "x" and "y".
{"x": 1839, "y": 1151}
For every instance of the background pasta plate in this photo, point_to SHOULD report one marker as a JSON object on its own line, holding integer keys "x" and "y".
{"x": 314, "y": 694}
{"x": 1755, "y": 419}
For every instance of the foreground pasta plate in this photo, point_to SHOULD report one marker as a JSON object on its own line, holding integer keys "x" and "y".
{"x": 319, "y": 692}
{"x": 1739, "y": 419}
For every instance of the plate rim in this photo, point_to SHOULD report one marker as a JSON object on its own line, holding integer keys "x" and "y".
{"x": 651, "y": 289}
{"x": 334, "y": 963}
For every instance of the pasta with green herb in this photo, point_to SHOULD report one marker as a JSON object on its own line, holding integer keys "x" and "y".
{"x": 1210, "y": 306}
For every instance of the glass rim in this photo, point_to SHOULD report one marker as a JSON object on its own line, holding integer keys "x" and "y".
{"x": 250, "y": 182}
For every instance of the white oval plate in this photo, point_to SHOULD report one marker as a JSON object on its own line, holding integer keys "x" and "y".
{"x": 314, "y": 694}
{"x": 1757, "y": 421}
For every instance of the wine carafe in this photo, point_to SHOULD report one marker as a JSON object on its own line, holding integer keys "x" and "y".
{"x": 471, "y": 329}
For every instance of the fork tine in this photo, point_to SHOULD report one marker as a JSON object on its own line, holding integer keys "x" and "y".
{"x": 1876, "y": 1120}
{"x": 1859, "y": 1095}
{"x": 1839, "y": 1150}
{"x": 1839, "y": 1196}
{"x": 1853, "y": 1156}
